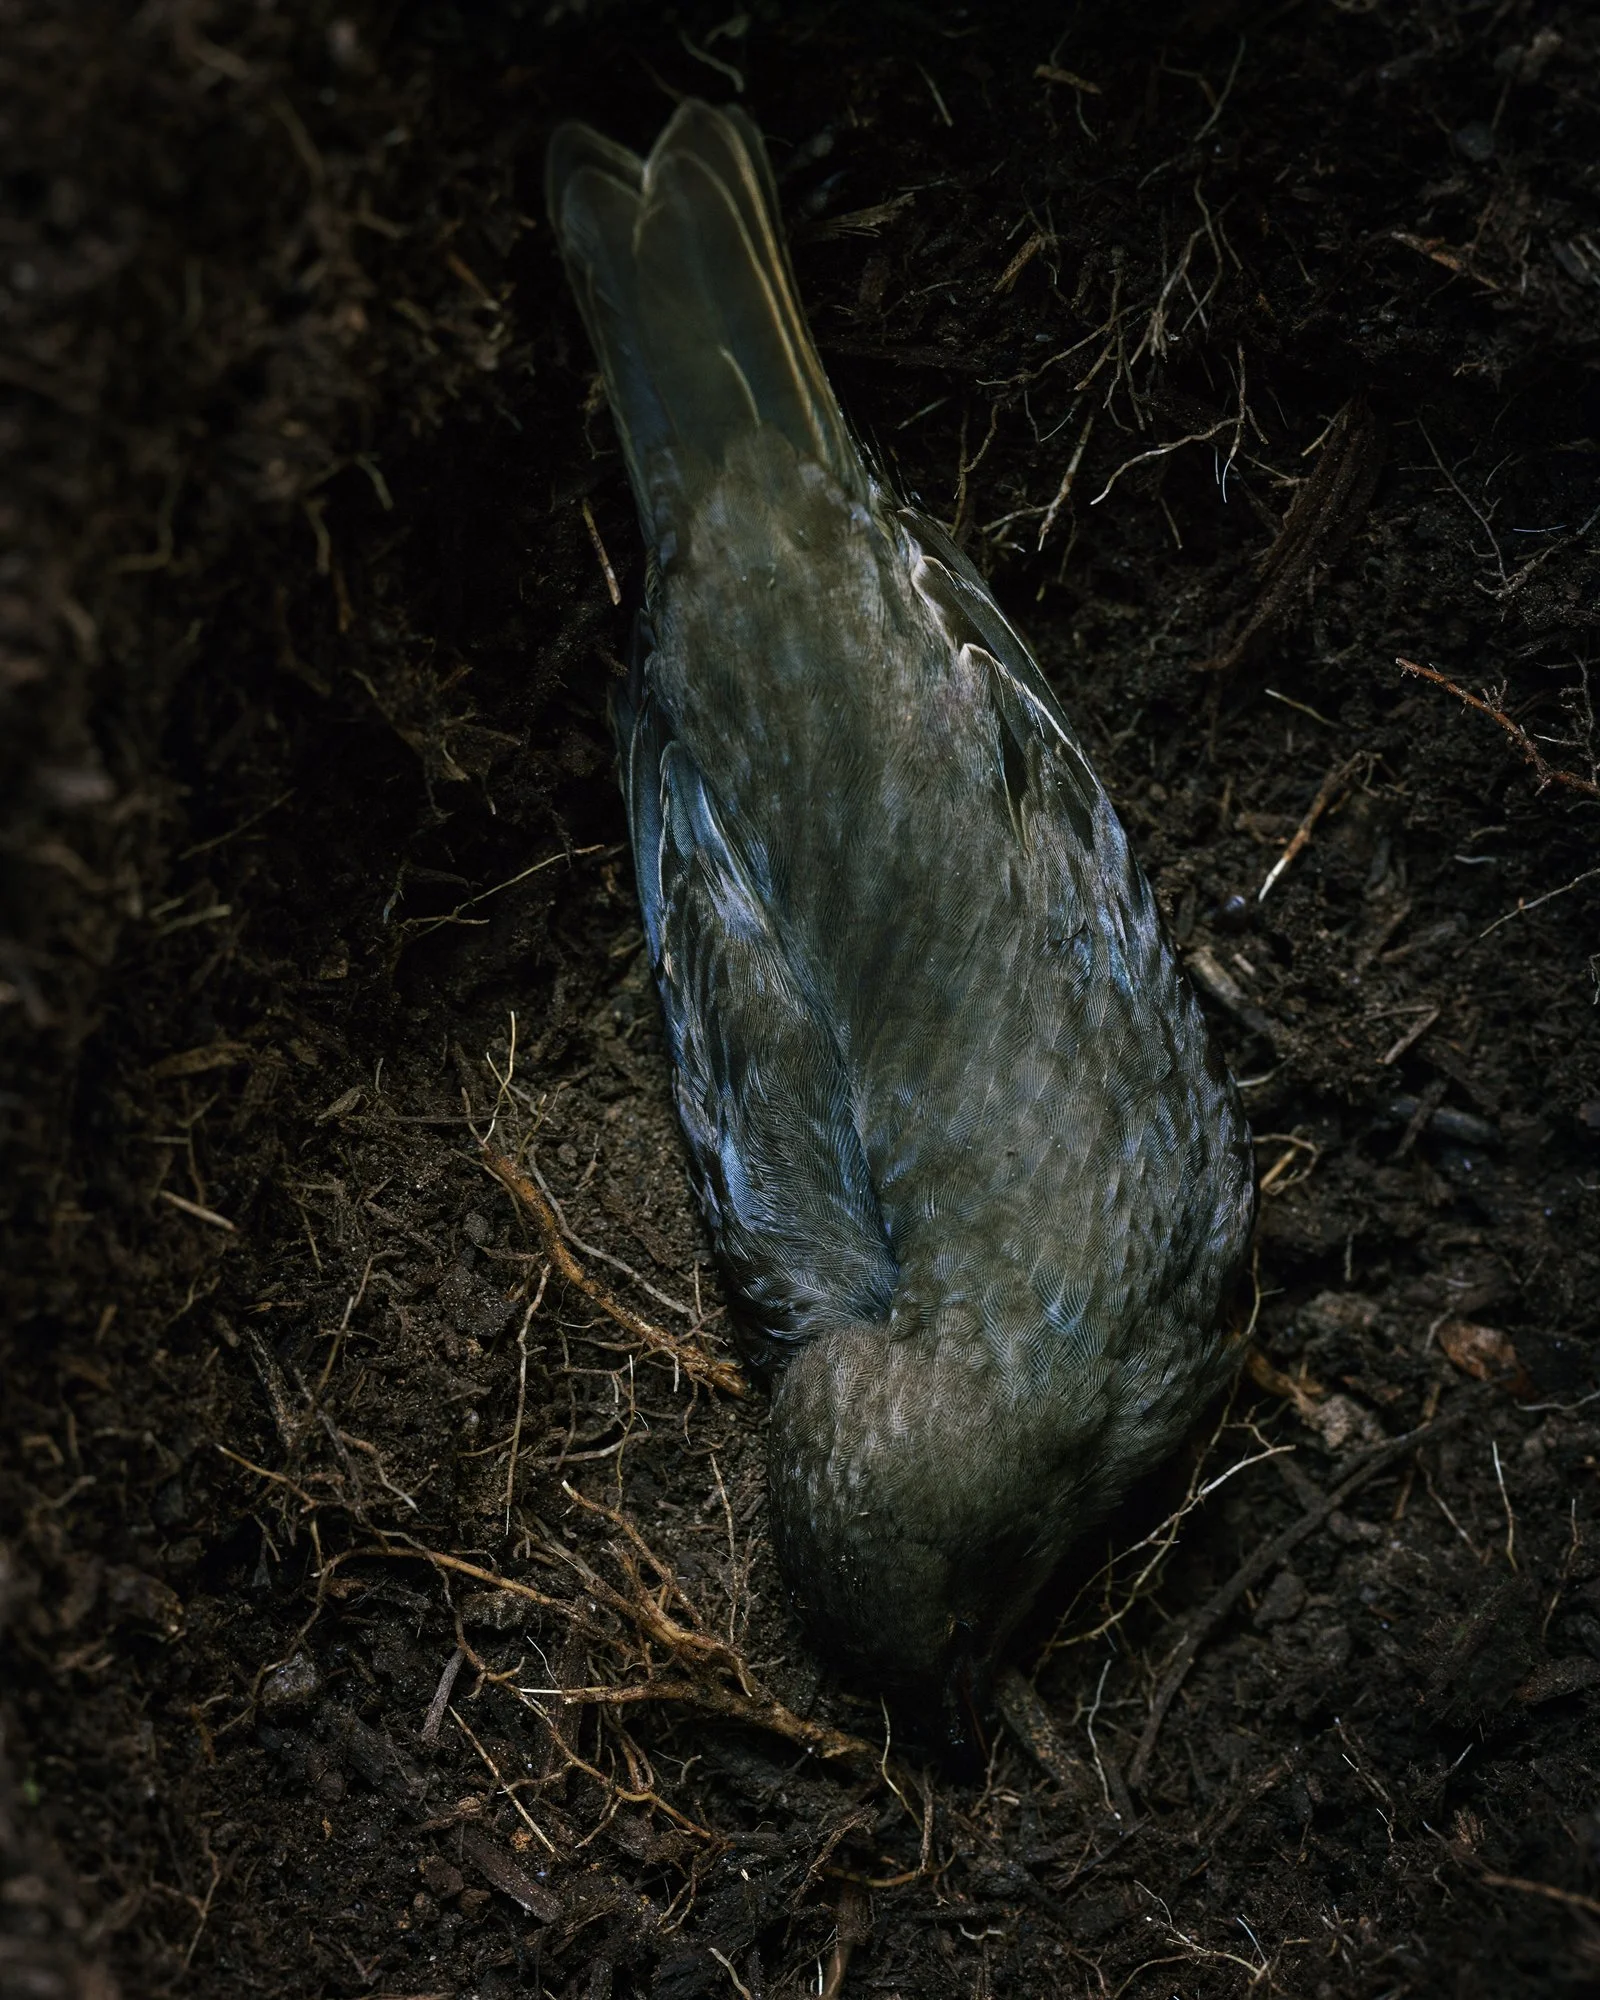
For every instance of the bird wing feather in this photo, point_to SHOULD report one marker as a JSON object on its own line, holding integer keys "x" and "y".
{"x": 763, "y": 1091}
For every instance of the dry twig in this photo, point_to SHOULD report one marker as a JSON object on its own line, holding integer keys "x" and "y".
{"x": 1548, "y": 1890}
{"x": 613, "y": 589}
{"x": 416, "y": 927}
{"x": 523, "y": 1814}
{"x": 199, "y": 1213}
{"x": 1330, "y": 787}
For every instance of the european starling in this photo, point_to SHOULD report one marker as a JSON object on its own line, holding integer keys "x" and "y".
{"x": 975, "y": 1178}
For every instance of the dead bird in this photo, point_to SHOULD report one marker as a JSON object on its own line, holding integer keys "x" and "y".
{"x": 975, "y": 1177}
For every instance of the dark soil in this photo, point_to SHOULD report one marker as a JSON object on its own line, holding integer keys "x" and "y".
{"x": 315, "y": 873}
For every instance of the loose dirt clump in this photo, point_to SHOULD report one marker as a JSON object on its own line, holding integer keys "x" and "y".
{"x": 386, "y": 1597}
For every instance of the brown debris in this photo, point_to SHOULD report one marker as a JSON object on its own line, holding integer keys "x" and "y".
{"x": 502, "y": 1871}
{"x": 1214, "y": 979}
{"x": 1482, "y": 1352}
{"x": 1301, "y": 1391}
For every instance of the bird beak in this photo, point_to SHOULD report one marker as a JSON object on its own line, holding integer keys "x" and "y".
{"x": 965, "y": 1732}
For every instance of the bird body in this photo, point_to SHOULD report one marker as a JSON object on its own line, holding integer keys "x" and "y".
{"x": 974, "y": 1176}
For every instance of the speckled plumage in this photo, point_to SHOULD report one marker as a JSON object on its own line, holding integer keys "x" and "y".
{"x": 974, "y": 1176}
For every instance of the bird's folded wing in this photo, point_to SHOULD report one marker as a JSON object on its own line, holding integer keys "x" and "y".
{"x": 763, "y": 1089}
{"x": 1024, "y": 702}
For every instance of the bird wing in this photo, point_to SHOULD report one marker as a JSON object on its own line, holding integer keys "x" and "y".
{"x": 762, "y": 1086}
{"x": 1022, "y": 700}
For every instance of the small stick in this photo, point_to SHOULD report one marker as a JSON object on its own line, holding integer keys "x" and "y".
{"x": 1412, "y": 1034}
{"x": 693, "y": 1359}
{"x": 605, "y": 1257}
{"x": 1288, "y": 702}
{"x": 944, "y": 109}
{"x": 1024, "y": 257}
{"x": 262, "y": 1472}
{"x": 350, "y": 1305}
{"x": 600, "y": 550}
{"x": 733, "y": 1551}
{"x": 413, "y": 1551}
{"x": 1094, "y": 1747}
{"x": 339, "y": 1437}
{"x": 1071, "y": 473}
{"x": 1294, "y": 1146}
{"x": 1302, "y": 833}
{"x": 574, "y": 1762}
{"x": 1159, "y": 451}
{"x": 433, "y": 1722}
{"x": 421, "y": 926}
{"x": 200, "y": 1214}
{"x": 1410, "y": 1478}
{"x": 756, "y": 1711}
{"x": 1443, "y": 1506}
{"x": 1422, "y": 1117}
{"x": 1567, "y": 1561}
{"x": 1053, "y": 73}
{"x": 1549, "y": 896}
{"x": 204, "y": 1908}
{"x": 663, "y": 1569}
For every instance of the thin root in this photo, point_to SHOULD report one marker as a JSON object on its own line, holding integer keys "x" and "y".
{"x": 689, "y": 1355}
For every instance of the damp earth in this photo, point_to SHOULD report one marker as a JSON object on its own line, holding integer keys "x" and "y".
{"x": 386, "y": 1598}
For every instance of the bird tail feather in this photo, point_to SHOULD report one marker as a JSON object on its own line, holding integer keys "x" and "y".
{"x": 684, "y": 283}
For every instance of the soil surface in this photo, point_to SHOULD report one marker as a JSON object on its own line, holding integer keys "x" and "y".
{"x": 387, "y": 1599}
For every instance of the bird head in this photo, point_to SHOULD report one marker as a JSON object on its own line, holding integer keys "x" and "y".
{"x": 911, "y": 1537}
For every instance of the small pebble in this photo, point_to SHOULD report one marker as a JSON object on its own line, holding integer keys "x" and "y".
{"x": 1284, "y": 1599}
{"x": 292, "y": 1685}
{"x": 442, "y": 1877}
{"x": 1475, "y": 141}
